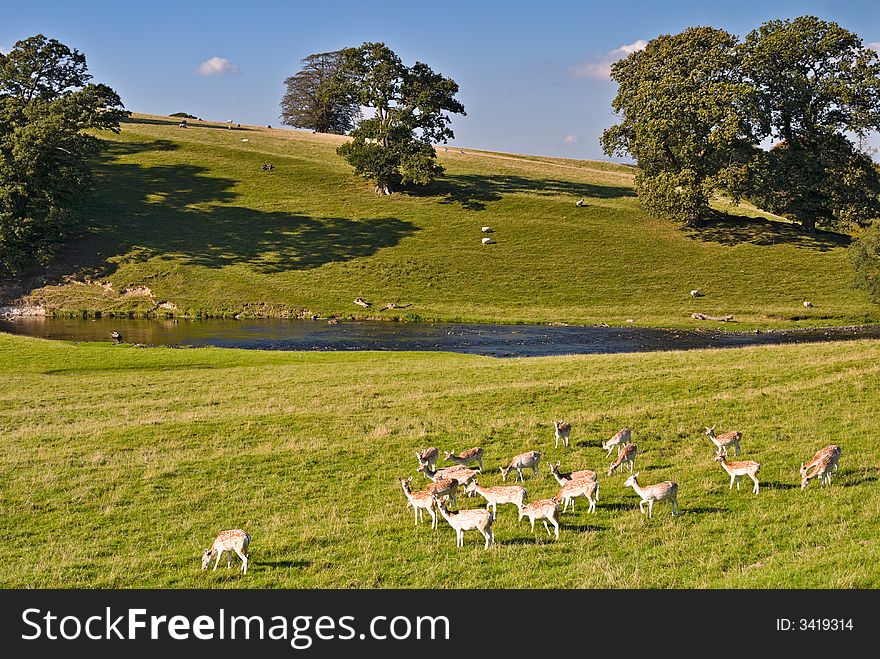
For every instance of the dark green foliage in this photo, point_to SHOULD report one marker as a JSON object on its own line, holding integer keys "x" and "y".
{"x": 410, "y": 104}
{"x": 864, "y": 256}
{"x": 183, "y": 115}
{"x": 314, "y": 100}
{"x": 46, "y": 105}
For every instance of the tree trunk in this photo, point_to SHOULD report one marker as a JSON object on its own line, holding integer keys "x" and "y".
{"x": 809, "y": 225}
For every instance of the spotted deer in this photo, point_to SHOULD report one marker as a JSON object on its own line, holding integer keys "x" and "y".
{"x": 822, "y": 464}
{"x": 428, "y": 457}
{"x": 665, "y": 491}
{"x": 622, "y": 437}
{"x": 520, "y": 462}
{"x": 462, "y": 475}
{"x": 737, "y": 470}
{"x": 545, "y": 510}
{"x": 443, "y": 487}
{"x": 627, "y": 455}
{"x": 468, "y": 520}
{"x": 725, "y": 440}
{"x": 500, "y": 494}
{"x": 563, "y": 477}
{"x": 236, "y": 541}
{"x": 580, "y": 488}
{"x": 563, "y": 432}
{"x": 419, "y": 501}
{"x": 466, "y": 457}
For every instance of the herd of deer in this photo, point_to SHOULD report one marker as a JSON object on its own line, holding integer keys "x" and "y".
{"x": 446, "y": 482}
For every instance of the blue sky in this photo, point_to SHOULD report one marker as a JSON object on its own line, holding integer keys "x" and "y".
{"x": 531, "y": 73}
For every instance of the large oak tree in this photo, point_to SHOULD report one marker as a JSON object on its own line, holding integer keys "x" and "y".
{"x": 313, "y": 99}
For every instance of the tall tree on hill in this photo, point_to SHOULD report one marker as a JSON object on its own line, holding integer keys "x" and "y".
{"x": 815, "y": 83}
{"x": 313, "y": 99}
{"x": 681, "y": 103}
{"x": 409, "y": 104}
{"x": 47, "y": 105}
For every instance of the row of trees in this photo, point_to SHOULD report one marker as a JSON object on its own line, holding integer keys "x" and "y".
{"x": 47, "y": 105}
{"x": 699, "y": 109}
{"x": 409, "y": 105}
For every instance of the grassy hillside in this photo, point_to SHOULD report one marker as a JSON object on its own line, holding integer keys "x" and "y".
{"x": 120, "y": 464}
{"x": 187, "y": 218}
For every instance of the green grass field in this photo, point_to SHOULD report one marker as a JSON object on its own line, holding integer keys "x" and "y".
{"x": 120, "y": 464}
{"x": 187, "y": 218}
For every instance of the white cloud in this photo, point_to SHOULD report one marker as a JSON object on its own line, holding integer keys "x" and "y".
{"x": 572, "y": 139}
{"x": 598, "y": 67}
{"x": 874, "y": 45}
{"x": 217, "y": 66}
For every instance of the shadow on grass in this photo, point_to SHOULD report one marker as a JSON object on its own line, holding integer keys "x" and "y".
{"x": 283, "y": 564}
{"x": 180, "y": 212}
{"x": 702, "y": 510}
{"x": 772, "y": 485}
{"x": 589, "y": 443}
{"x": 732, "y": 230}
{"x": 580, "y": 528}
{"x": 854, "y": 477}
{"x": 474, "y": 191}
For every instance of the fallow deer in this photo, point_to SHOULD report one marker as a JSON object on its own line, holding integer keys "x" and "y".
{"x": 737, "y": 470}
{"x": 563, "y": 477}
{"x": 443, "y": 487}
{"x": 622, "y": 437}
{"x": 428, "y": 457}
{"x": 468, "y": 520}
{"x": 822, "y": 464}
{"x": 725, "y": 440}
{"x": 234, "y": 540}
{"x": 580, "y": 488}
{"x": 626, "y": 455}
{"x": 500, "y": 494}
{"x": 462, "y": 475}
{"x": 563, "y": 432}
{"x": 466, "y": 457}
{"x": 419, "y": 501}
{"x": 667, "y": 490}
{"x": 545, "y": 510}
{"x": 520, "y": 462}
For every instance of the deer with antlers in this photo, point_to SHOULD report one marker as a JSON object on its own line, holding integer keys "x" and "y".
{"x": 468, "y": 520}
{"x": 822, "y": 464}
{"x": 234, "y": 540}
{"x": 737, "y": 470}
{"x": 466, "y": 457}
{"x": 627, "y": 455}
{"x": 522, "y": 461}
{"x": 420, "y": 501}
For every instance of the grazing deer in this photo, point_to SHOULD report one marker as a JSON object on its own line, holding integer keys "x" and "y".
{"x": 619, "y": 440}
{"x": 725, "y": 440}
{"x": 822, "y": 464}
{"x": 628, "y": 455}
{"x": 563, "y": 432}
{"x": 520, "y": 462}
{"x": 462, "y": 475}
{"x": 428, "y": 457}
{"x": 574, "y": 489}
{"x": 545, "y": 510}
{"x": 466, "y": 457}
{"x": 443, "y": 487}
{"x": 500, "y": 494}
{"x": 236, "y": 541}
{"x": 468, "y": 520}
{"x": 737, "y": 470}
{"x": 563, "y": 477}
{"x": 419, "y": 501}
{"x": 651, "y": 493}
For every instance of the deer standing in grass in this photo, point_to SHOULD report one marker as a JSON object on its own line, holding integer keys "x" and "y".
{"x": 563, "y": 477}
{"x": 468, "y": 520}
{"x": 443, "y": 487}
{"x": 822, "y": 464}
{"x": 545, "y": 510}
{"x": 665, "y": 491}
{"x": 563, "y": 432}
{"x": 500, "y": 494}
{"x": 520, "y": 462}
{"x": 428, "y": 457}
{"x": 467, "y": 457}
{"x": 737, "y": 470}
{"x": 462, "y": 475}
{"x": 620, "y": 439}
{"x": 419, "y": 501}
{"x": 725, "y": 440}
{"x": 580, "y": 488}
{"x": 236, "y": 541}
{"x": 627, "y": 455}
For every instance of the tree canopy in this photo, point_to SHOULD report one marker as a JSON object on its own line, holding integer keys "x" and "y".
{"x": 314, "y": 99}
{"x": 698, "y": 108}
{"x": 409, "y": 106}
{"x": 47, "y": 105}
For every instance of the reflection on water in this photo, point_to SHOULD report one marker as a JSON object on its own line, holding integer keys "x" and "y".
{"x": 494, "y": 340}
